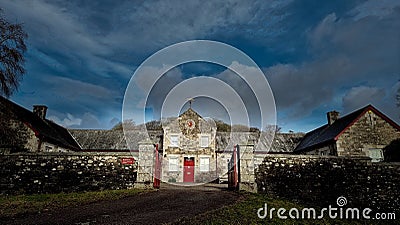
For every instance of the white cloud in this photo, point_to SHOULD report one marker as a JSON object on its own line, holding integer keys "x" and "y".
{"x": 323, "y": 30}
{"x": 162, "y": 23}
{"x": 76, "y": 89}
{"x": 85, "y": 121}
{"x": 62, "y": 29}
{"x": 90, "y": 121}
{"x": 67, "y": 121}
{"x": 377, "y": 8}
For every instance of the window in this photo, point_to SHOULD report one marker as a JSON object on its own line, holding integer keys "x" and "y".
{"x": 324, "y": 152}
{"x": 204, "y": 141}
{"x": 173, "y": 164}
{"x": 48, "y": 148}
{"x": 174, "y": 140}
{"x": 204, "y": 164}
{"x": 376, "y": 155}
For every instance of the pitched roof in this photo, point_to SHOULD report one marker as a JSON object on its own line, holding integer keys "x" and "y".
{"x": 285, "y": 142}
{"x": 45, "y": 129}
{"x": 100, "y": 139}
{"x": 329, "y": 133}
{"x": 114, "y": 140}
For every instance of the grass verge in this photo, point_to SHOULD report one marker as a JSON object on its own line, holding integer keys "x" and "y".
{"x": 245, "y": 212}
{"x": 11, "y": 206}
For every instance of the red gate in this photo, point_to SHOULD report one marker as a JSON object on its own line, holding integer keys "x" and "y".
{"x": 234, "y": 169}
{"x": 157, "y": 168}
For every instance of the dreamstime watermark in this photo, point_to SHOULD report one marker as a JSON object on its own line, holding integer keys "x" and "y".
{"x": 332, "y": 212}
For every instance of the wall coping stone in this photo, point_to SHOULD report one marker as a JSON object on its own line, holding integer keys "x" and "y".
{"x": 69, "y": 154}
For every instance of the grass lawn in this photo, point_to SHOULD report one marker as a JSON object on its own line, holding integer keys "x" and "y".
{"x": 245, "y": 212}
{"x": 22, "y": 204}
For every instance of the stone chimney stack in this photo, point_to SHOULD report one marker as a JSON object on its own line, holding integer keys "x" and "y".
{"x": 40, "y": 111}
{"x": 332, "y": 117}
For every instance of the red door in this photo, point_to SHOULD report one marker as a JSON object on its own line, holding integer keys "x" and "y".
{"x": 188, "y": 169}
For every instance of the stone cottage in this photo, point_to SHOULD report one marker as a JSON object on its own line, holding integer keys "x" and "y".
{"x": 24, "y": 130}
{"x": 365, "y": 132}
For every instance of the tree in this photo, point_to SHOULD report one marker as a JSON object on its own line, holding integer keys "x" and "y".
{"x": 12, "y": 49}
{"x": 126, "y": 124}
{"x": 154, "y": 125}
{"x": 222, "y": 126}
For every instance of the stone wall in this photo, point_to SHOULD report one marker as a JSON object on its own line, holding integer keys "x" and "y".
{"x": 319, "y": 181}
{"x": 64, "y": 172}
{"x": 146, "y": 164}
{"x": 246, "y": 178}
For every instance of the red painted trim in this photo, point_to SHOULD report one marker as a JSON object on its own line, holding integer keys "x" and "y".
{"x": 387, "y": 119}
{"x": 157, "y": 169}
{"x": 373, "y": 109}
{"x": 33, "y": 129}
{"x": 235, "y": 169}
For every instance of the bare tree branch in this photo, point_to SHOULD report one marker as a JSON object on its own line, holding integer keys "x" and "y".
{"x": 12, "y": 49}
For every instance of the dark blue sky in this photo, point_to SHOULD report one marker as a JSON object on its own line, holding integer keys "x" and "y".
{"x": 317, "y": 55}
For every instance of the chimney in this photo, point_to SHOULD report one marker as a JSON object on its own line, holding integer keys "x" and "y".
{"x": 332, "y": 117}
{"x": 40, "y": 111}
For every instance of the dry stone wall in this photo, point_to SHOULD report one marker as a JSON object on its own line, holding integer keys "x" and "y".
{"x": 29, "y": 173}
{"x": 319, "y": 181}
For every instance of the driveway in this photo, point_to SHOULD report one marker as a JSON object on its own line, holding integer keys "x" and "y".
{"x": 163, "y": 206}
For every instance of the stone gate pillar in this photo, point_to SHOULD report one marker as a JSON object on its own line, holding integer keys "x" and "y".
{"x": 247, "y": 177}
{"x": 145, "y": 165}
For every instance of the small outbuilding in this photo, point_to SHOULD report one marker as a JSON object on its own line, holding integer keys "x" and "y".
{"x": 365, "y": 132}
{"x": 24, "y": 130}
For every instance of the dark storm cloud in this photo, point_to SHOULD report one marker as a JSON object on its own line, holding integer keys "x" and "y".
{"x": 82, "y": 53}
{"x": 362, "y": 49}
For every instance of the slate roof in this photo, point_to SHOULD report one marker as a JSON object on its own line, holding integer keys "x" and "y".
{"x": 112, "y": 140}
{"x": 100, "y": 139}
{"x": 330, "y": 133}
{"x": 45, "y": 129}
{"x": 285, "y": 142}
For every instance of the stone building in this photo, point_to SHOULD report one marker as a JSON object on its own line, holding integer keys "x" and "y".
{"x": 365, "y": 132}
{"x": 24, "y": 130}
{"x": 189, "y": 149}
{"x": 186, "y": 141}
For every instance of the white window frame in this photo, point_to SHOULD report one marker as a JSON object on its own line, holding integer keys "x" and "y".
{"x": 204, "y": 143}
{"x": 48, "y": 148}
{"x": 204, "y": 167}
{"x": 173, "y": 164}
{"x": 372, "y": 153}
{"x": 174, "y": 140}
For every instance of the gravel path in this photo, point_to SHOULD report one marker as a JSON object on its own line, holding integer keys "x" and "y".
{"x": 165, "y": 205}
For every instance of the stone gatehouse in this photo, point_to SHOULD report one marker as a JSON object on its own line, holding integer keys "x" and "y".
{"x": 189, "y": 149}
